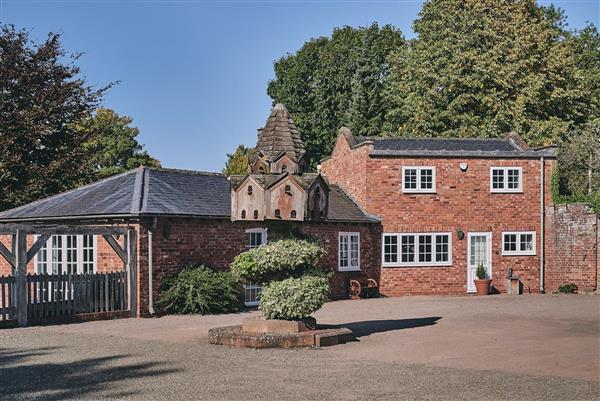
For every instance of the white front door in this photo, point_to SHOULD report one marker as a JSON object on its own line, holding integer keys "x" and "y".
{"x": 479, "y": 251}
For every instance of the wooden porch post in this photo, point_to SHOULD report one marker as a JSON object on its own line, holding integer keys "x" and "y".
{"x": 131, "y": 244}
{"x": 21, "y": 277}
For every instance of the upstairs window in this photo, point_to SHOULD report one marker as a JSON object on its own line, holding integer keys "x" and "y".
{"x": 506, "y": 179}
{"x": 518, "y": 243}
{"x": 349, "y": 251}
{"x": 418, "y": 179}
{"x": 419, "y": 249}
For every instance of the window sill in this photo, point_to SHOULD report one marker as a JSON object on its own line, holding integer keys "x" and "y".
{"x": 504, "y": 191}
{"x": 518, "y": 254}
{"x": 349, "y": 269}
{"x": 415, "y": 191}
{"x": 412, "y": 265}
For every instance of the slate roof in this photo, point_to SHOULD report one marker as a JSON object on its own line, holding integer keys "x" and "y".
{"x": 280, "y": 135}
{"x": 150, "y": 191}
{"x": 451, "y": 147}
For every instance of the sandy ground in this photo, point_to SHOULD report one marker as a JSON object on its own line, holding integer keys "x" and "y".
{"x": 420, "y": 348}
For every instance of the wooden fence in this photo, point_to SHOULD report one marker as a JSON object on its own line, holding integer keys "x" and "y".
{"x": 62, "y": 295}
{"x": 8, "y": 311}
{"x": 54, "y": 295}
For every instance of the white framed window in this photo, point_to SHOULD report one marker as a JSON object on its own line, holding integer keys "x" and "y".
{"x": 506, "y": 179}
{"x": 67, "y": 254}
{"x": 518, "y": 243}
{"x": 349, "y": 251}
{"x": 417, "y": 249}
{"x": 418, "y": 179}
{"x": 255, "y": 237}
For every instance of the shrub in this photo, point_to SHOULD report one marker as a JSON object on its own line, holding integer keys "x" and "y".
{"x": 294, "y": 298}
{"x": 481, "y": 273}
{"x": 568, "y": 288}
{"x": 277, "y": 260}
{"x": 200, "y": 290}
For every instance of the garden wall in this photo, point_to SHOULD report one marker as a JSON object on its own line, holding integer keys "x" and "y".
{"x": 571, "y": 247}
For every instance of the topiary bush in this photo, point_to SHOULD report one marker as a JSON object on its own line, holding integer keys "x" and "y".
{"x": 294, "y": 298}
{"x": 481, "y": 273}
{"x": 293, "y": 286}
{"x": 200, "y": 290}
{"x": 277, "y": 260}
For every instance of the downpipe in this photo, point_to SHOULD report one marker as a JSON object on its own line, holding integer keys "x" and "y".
{"x": 542, "y": 223}
{"x": 150, "y": 269}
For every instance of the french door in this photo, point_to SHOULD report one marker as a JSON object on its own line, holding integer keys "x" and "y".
{"x": 479, "y": 251}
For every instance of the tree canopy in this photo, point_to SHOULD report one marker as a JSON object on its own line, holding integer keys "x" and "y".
{"x": 237, "y": 162}
{"x": 112, "y": 145}
{"x": 482, "y": 68}
{"x": 41, "y": 99}
{"x": 336, "y": 81}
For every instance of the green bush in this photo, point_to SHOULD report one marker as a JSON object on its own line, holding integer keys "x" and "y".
{"x": 200, "y": 290}
{"x": 294, "y": 298}
{"x": 481, "y": 273}
{"x": 568, "y": 288}
{"x": 277, "y": 260}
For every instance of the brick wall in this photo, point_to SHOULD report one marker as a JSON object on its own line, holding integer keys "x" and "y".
{"x": 571, "y": 247}
{"x": 463, "y": 200}
{"x": 178, "y": 242}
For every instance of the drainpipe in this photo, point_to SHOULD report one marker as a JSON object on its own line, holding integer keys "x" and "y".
{"x": 150, "y": 268}
{"x": 542, "y": 223}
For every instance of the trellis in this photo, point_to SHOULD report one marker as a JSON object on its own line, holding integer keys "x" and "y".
{"x": 19, "y": 255}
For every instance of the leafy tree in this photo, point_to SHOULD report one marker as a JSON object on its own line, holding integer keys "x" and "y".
{"x": 587, "y": 57}
{"x": 237, "y": 162}
{"x": 112, "y": 145}
{"x": 334, "y": 82}
{"x": 41, "y": 99}
{"x": 579, "y": 161}
{"x": 482, "y": 68}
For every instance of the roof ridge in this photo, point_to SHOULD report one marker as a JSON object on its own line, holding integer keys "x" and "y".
{"x": 91, "y": 184}
{"x": 184, "y": 171}
{"x": 438, "y": 139}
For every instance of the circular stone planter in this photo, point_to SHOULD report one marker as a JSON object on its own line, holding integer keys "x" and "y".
{"x": 258, "y": 332}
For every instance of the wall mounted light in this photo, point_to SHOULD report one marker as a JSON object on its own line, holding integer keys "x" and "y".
{"x": 460, "y": 234}
{"x": 463, "y": 166}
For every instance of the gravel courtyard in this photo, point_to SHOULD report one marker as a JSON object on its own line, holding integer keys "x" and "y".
{"x": 420, "y": 348}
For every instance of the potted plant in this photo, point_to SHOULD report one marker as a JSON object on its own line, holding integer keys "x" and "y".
{"x": 482, "y": 283}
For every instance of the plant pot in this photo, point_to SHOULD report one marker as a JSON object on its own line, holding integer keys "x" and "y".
{"x": 483, "y": 286}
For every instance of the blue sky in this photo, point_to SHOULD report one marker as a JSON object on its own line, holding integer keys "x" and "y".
{"x": 193, "y": 72}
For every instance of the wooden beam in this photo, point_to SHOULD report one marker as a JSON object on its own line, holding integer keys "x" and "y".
{"x": 21, "y": 278}
{"x": 8, "y": 255}
{"x": 121, "y": 253}
{"x": 35, "y": 248}
{"x": 132, "y": 269}
{"x": 72, "y": 229}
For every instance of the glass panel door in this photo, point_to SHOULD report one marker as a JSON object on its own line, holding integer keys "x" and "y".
{"x": 479, "y": 251}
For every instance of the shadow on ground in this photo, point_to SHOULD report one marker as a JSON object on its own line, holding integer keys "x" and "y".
{"x": 368, "y": 327}
{"x": 24, "y": 377}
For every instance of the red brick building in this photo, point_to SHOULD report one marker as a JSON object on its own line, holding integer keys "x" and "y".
{"x": 417, "y": 215}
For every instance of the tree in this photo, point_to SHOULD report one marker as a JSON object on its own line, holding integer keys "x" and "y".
{"x": 112, "y": 145}
{"x": 587, "y": 56}
{"x": 334, "y": 82}
{"x": 579, "y": 161}
{"x": 41, "y": 99}
{"x": 482, "y": 68}
{"x": 237, "y": 162}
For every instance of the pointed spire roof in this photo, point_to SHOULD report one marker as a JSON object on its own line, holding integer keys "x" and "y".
{"x": 280, "y": 135}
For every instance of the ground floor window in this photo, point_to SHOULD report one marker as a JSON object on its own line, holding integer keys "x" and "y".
{"x": 67, "y": 254}
{"x": 518, "y": 243}
{"x": 417, "y": 249}
{"x": 255, "y": 237}
{"x": 349, "y": 251}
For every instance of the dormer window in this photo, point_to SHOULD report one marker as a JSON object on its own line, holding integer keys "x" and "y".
{"x": 288, "y": 190}
{"x": 256, "y": 214}
{"x": 284, "y": 168}
{"x": 243, "y": 214}
{"x": 293, "y": 214}
{"x": 249, "y": 189}
{"x": 278, "y": 213}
